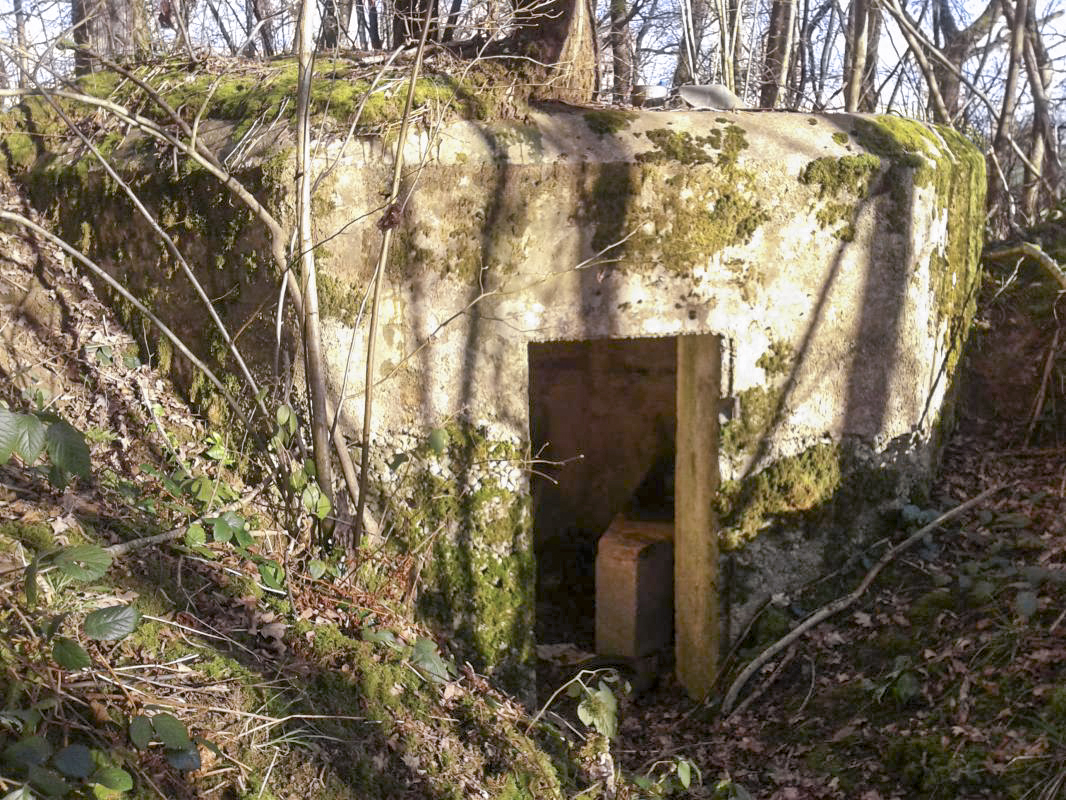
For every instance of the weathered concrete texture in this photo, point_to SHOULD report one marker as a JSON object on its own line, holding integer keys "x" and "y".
{"x": 836, "y": 256}
{"x": 822, "y": 266}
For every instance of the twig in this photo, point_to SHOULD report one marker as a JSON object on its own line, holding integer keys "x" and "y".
{"x": 122, "y": 548}
{"x": 1030, "y": 250}
{"x": 755, "y": 695}
{"x": 838, "y": 605}
{"x": 1041, "y": 396}
{"x": 388, "y": 223}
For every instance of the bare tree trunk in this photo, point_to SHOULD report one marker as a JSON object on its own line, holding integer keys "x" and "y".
{"x": 778, "y": 52}
{"x": 621, "y": 51}
{"x": 23, "y": 46}
{"x": 117, "y": 29}
{"x": 1043, "y": 152}
{"x": 408, "y": 18}
{"x": 453, "y": 20}
{"x": 856, "y": 43}
{"x": 958, "y": 43}
{"x": 999, "y": 191}
{"x": 313, "y": 358}
{"x": 562, "y": 35}
{"x": 694, "y": 23}
{"x": 259, "y": 10}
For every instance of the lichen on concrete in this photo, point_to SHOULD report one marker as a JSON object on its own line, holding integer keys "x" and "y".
{"x": 465, "y": 505}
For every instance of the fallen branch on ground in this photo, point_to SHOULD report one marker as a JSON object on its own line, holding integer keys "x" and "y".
{"x": 838, "y": 605}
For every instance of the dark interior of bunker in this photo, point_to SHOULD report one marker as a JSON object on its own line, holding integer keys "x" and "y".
{"x": 602, "y": 422}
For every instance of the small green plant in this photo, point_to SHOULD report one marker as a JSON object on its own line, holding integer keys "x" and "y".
{"x": 32, "y": 758}
{"x": 28, "y": 436}
{"x": 675, "y": 775}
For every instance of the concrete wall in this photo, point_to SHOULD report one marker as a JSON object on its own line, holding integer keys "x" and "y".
{"x": 836, "y": 255}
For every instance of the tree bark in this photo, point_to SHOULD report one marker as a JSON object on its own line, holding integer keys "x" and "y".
{"x": 621, "y": 51}
{"x": 562, "y": 35}
{"x": 778, "y": 53}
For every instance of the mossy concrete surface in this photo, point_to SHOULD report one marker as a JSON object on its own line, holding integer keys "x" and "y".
{"x": 836, "y": 256}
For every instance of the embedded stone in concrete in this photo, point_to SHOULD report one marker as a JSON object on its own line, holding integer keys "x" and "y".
{"x": 634, "y": 588}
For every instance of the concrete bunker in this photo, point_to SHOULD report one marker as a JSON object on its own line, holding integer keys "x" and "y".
{"x": 819, "y": 269}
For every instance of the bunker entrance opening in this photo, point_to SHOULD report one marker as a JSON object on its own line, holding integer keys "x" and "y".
{"x": 603, "y": 419}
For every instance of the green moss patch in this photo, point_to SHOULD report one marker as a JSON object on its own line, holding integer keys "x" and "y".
{"x": 606, "y": 121}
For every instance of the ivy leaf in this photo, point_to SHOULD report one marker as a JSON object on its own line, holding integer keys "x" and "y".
{"x": 67, "y": 449}
{"x": 141, "y": 731}
{"x": 272, "y": 573}
{"x": 74, "y": 761}
{"x": 171, "y": 731}
{"x": 83, "y": 562}
{"x": 111, "y": 624}
{"x": 70, "y": 655}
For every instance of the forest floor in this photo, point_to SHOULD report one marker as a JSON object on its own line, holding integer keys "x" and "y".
{"x": 947, "y": 679}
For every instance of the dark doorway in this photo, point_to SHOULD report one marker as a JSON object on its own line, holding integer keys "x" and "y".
{"x": 602, "y": 421}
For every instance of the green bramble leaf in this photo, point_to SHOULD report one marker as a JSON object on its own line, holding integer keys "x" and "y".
{"x": 67, "y": 449}
{"x": 29, "y": 437}
{"x": 69, "y": 654}
{"x": 111, "y": 624}
{"x": 83, "y": 562}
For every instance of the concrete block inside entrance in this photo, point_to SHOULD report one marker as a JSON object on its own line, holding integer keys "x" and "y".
{"x": 627, "y": 430}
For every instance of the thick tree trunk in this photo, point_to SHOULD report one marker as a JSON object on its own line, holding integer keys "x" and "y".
{"x": 778, "y": 52}
{"x": 117, "y": 29}
{"x": 562, "y": 35}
